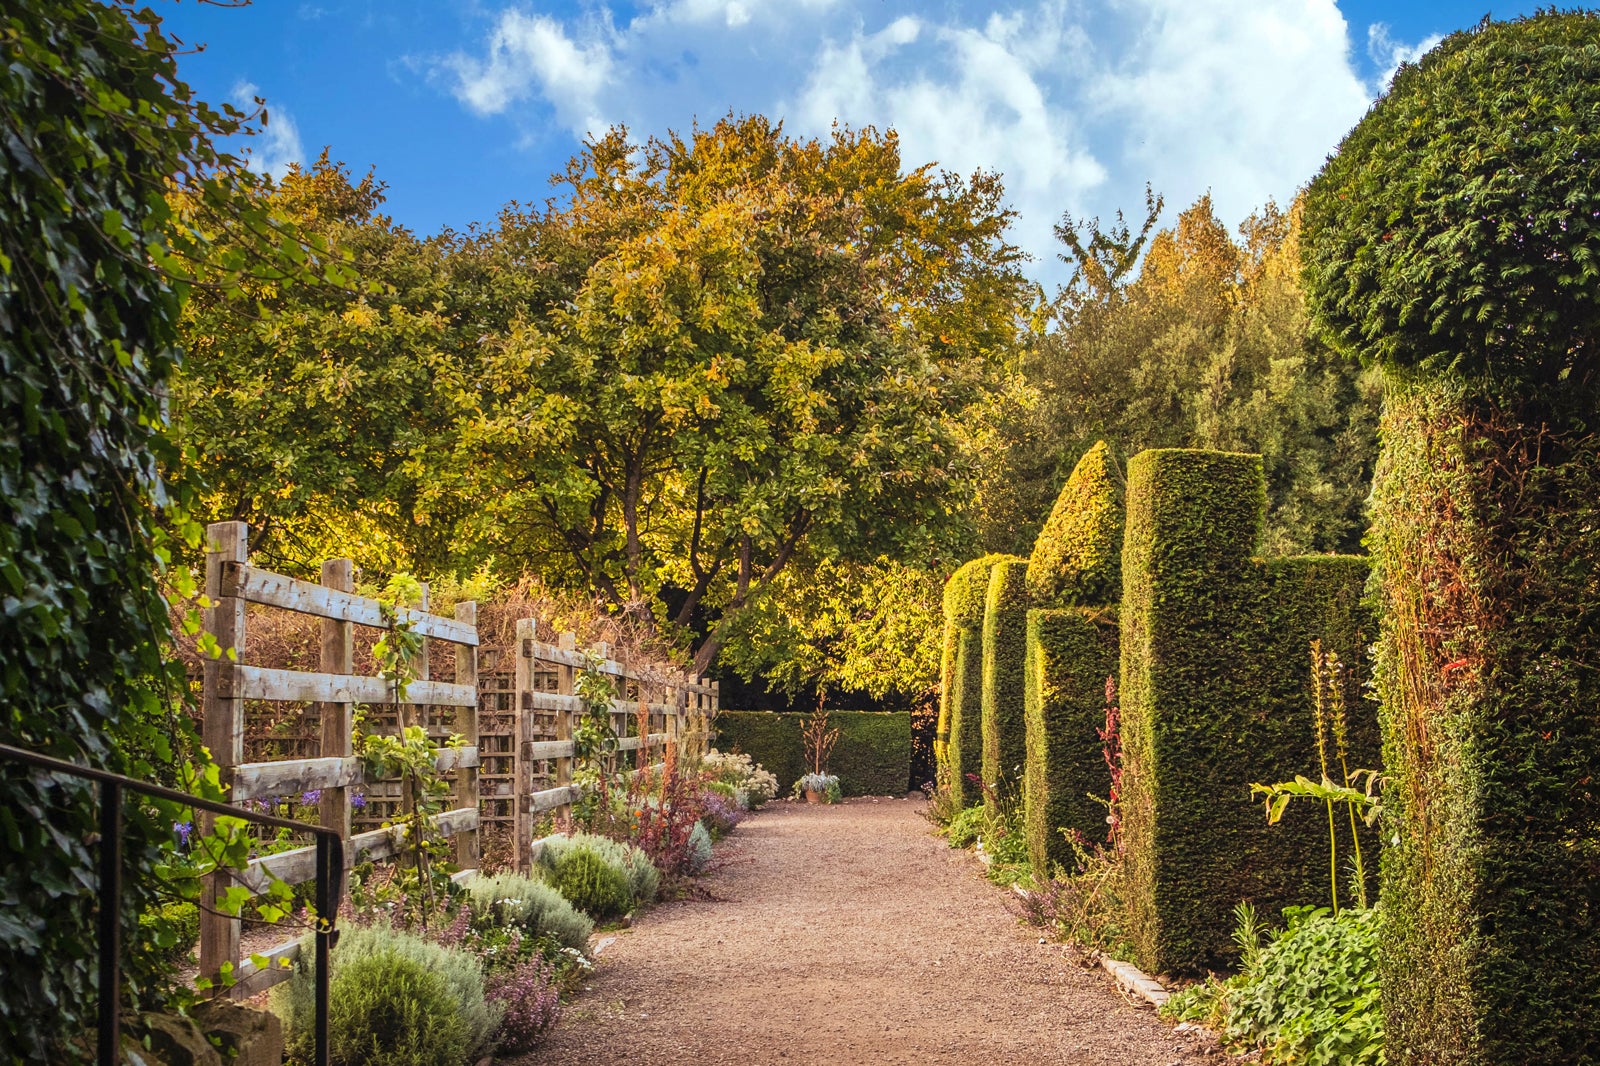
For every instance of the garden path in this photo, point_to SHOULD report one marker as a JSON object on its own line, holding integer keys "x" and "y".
{"x": 843, "y": 935}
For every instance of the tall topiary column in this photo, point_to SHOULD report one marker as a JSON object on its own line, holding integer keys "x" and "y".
{"x": 960, "y": 701}
{"x": 1216, "y": 694}
{"x": 1074, "y": 579}
{"x": 1005, "y": 652}
{"x": 1071, "y": 652}
{"x": 1454, "y": 240}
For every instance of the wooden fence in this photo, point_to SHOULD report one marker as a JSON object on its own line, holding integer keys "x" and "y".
{"x": 531, "y": 750}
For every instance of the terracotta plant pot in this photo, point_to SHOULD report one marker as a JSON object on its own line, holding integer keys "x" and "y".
{"x": 813, "y": 796}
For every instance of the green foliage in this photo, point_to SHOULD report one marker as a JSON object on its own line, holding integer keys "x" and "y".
{"x": 1005, "y": 653}
{"x": 320, "y": 414}
{"x": 698, "y": 855}
{"x": 967, "y": 827}
{"x": 394, "y": 998}
{"x": 1204, "y": 343}
{"x": 1486, "y": 525}
{"x": 537, "y": 909}
{"x": 745, "y": 349}
{"x": 593, "y": 885}
{"x": 643, "y": 879}
{"x": 964, "y": 748}
{"x": 1077, "y": 558}
{"x": 1217, "y": 692}
{"x": 93, "y": 272}
{"x": 967, "y": 591}
{"x": 173, "y": 927}
{"x": 872, "y": 757}
{"x": 1084, "y": 903}
{"x": 1309, "y": 996}
{"x": 1457, "y": 228}
{"x": 870, "y": 628}
{"x": 1066, "y": 782}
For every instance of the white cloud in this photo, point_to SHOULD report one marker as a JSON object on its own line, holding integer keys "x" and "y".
{"x": 1077, "y": 102}
{"x": 278, "y": 144}
{"x": 528, "y": 54}
{"x": 1389, "y": 54}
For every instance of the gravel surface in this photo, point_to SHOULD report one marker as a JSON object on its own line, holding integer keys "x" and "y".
{"x": 848, "y": 934}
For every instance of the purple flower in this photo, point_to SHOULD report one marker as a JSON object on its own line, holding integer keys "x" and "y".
{"x": 358, "y": 800}
{"x": 528, "y": 994}
{"x": 183, "y": 829}
{"x": 311, "y": 798}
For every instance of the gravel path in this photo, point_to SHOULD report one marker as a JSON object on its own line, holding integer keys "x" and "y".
{"x": 842, "y": 935}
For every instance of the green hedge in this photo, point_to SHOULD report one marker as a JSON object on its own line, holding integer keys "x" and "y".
{"x": 1453, "y": 240}
{"x": 960, "y": 697}
{"x": 1486, "y": 530}
{"x": 1077, "y": 558}
{"x": 872, "y": 757}
{"x": 1005, "y": 653}
{"x": 1216, "y": 694}
{"x": 1071, "y": 652}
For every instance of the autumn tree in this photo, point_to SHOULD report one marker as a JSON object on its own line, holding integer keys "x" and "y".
{"x": 320, "y": 412}
{"x": 766, "y": 354}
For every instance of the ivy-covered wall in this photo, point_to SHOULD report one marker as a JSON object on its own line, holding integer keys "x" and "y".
{"x": 1005, "y": 653}
{"x": 1216, "y": 694}
{"x": 1071, "y": 653}
{"x": 960, "y": 700}
{"x": 872, "y": 757}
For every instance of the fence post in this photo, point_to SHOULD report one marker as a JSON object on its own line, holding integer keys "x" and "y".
{"x": 416, "y": 713}
{"x": 223, "y": 733}
{"x": 522, "y": 740}
{"x": 466, "y": 724}
{"x": 337, "y": 657}
{"x": 565, "y": 681}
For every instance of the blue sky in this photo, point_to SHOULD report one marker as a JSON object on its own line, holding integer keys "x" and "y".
{"x": 462, "y": 106}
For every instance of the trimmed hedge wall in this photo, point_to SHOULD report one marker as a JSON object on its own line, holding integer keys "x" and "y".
{"x": 1216, "y": 694}
{"x": 961, "y": 695}
{"x": 1005, "y": 653}
{"x": 1487, "y": 532}
{"x": 872, "y": 758}
{"x": 1071, "y": 652}
{"x": 1077, "y": 558}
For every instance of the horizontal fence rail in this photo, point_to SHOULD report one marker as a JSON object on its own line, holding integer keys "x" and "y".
{"x": 514, "y": 767}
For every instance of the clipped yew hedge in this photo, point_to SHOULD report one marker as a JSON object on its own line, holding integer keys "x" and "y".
{"x": 1454, "y": 240}
{"x": 1077, "y": 557}
{"x": 872, "y": 757}
{"x": 1005, "y": 653}
{"x": 960, "y": 701}
{"x": 1216, "y": 694}
{"x": 1071, "y": 653}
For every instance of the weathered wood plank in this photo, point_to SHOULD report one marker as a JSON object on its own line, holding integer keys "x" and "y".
{"x": 228, "y": 543}
{"x": 305, "y": 597}
{"x": 466, "y": 724}
{"x": 300, "y": 865}
{"x": 552, "y": 701}
{"x": 263, "y": 683}
{"x": 548, "y": 749}
{"x": 253, "y": 981}
{"x": 551, "y": 798}
{"x": 253, "y": 780}
{"x": 336, "y": 656}
{"x": 465, "y": 757}
{"x": 256, "y": 779}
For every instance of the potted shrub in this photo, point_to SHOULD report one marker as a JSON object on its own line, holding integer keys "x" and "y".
{"x": 818, "y": 785}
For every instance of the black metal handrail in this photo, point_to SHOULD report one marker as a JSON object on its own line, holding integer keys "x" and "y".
{"x": 330, "y": 874}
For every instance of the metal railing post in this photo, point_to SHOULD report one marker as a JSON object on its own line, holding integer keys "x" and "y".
{"x": 108, "y": 1050}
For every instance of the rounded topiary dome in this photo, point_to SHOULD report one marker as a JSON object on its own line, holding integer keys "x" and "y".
{"x": 1077, "y": 559}
{"x": 1457, "y": 228}
{"x": 965, "y": 592}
